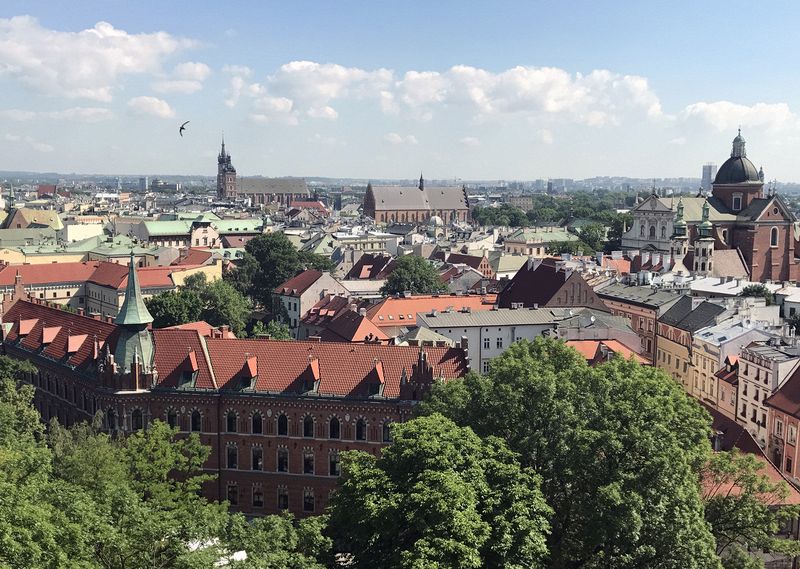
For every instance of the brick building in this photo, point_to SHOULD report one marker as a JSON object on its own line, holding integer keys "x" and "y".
{"x": 401, "y": 204}
{"x": 275, "y": 414}
{"x": 738, "y": 216}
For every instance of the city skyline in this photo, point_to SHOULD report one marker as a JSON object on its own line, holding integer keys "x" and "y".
{"x": 509, "y": 91}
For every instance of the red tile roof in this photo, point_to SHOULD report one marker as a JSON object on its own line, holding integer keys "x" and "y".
{"x": 298, "y": 284}
{"x": 195, "y": 257}
{"x": 326, "y": 309}
{"x": 787, "y": 397}
{"x": 344, "y": 369}
{"x": 201, "y": 326}
{"x": 402, "y": 311}
{"x": 113, "y": 275}
{"x": 349, "y": 326}
{"x": 29, "y": 321}
{"x": 316, "y": 205}
{"x": 178, "y": 351}
{"x": 48, "y": 273}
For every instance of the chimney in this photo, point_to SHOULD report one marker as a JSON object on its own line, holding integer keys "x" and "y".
{"x": 362, "y": 311}
{"x": 81, "y": 312}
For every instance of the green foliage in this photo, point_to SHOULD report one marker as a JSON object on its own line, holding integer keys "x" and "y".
{"x": 415, "y": 274}
{"x": 751, "y": 516}
{"x": 759, "y": 291}
{"x": 218, "y": 303}
{"x": 618, "y": 447}
{"x": 439, "y": 497}
{"x": 593, "y": 235}
{"x": 505, "y": 214}
{"x": 618, "y": 223}
{"x": 275, "y": 330}
{"x": 274, "y": 261}
{"x": 276, "y": 542}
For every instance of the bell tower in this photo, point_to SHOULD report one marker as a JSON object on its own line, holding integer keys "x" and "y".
{"x": 226, "y": 174}
{"x": 680, "y": 237}
{"x": 704, "y": 245}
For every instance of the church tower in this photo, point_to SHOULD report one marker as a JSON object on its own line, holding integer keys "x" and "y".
{"x": 134, "y": 354}
{"x": 226, "y": 175}
{"x": 680, "y": 236}
{"x": 738, "y": 182}
{"x": 704, "y": 245}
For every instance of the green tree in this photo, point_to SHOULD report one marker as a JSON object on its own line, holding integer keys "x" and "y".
{"x": 241, "y": 274}
{"x": 415, "y": 274}
{"x": 752, "y": 515}
{"x": 593, "y": 235}
{"x": 759, "y": 291}
{"x": 278, "y": 261}
{"x": 223, "y": 304}
{"x": 618, "y": 224}
{"x": 439, "y": 496}
{"x": 275, "y": 330}
{"x": 618, "y": 446}
{"x": 174, "y": 307}
{"x": 278, "y": 542}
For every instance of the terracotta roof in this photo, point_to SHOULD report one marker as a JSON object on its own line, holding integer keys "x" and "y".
{"x": 56, "y": 333}
{"x": 178, "y": 351}
{"x": 48, "y": 273}
{"x": 195, "y": 257}
{"x": 235, "y": 241}
{"x": 593, "y": 352}
{"x": 326, "y": 309}
{"x": 201, "y": 326}
{"x": 344, "y": 369}
{"x": 787, "y": 397}
{"x": 298, "y": 284}
{"x": 349, "y": 326}
{"x": 621, "y": 266}
{"x": 371, "y": 266}
{"x": 403, "y": 311}
{"x": 115, "y": 276}
{"x": 317, "y": 205}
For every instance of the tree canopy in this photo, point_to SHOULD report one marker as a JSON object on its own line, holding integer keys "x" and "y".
{"x": 758, "y": 290}
{"x": 415, "y": 274}
{"x": 621, "y": 479}
{"x": 270, "y": 260}
{"x": 217, "y": 302}
{"x": 439, "y": 496}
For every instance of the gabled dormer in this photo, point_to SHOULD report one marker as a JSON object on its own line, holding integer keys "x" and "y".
{"x": 376, "y": 379}
{"x": 249, "y": 373}
{"x": 311, "y": 376}
{"x": 188, "y": 370}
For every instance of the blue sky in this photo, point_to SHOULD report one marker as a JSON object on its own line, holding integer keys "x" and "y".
{"x": 500, "y": 90}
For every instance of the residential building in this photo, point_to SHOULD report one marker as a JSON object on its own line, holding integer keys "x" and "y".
{"x": 396, "y": 315}
{"x": 642, "y": 306}
{"x": 537, "y": 241}
{"x": 300, "y": 293}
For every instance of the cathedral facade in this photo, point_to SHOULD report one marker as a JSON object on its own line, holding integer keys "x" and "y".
{"x": 739, "y": 217}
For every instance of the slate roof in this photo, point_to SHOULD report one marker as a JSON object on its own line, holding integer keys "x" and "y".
{"x": 737, "y": 170}
{"x": 345, "y": 369}
{"x": 500, "y": 317}
{"x": 371, "y": 266}
{"x": 470, "y": 260}
{"x": 539, "y": 285}
{"x": 412, "y": 198}
{"x": 681, "y": 316}
{"x": 639, "y": 295}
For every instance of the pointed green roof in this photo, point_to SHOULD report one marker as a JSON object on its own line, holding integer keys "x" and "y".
{"x": 133, "y": 311}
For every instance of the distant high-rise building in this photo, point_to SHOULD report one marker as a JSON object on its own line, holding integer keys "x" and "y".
{"x": 144, "y": 184}
{"x": 709, "y": 173}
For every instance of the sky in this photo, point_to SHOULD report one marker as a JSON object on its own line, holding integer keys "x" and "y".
{"x": 378, "y": 89}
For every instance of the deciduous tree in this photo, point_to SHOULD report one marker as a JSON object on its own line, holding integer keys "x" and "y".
{"x": 415, "y": 274}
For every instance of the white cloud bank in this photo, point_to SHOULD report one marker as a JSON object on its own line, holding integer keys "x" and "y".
{"x": 86, "y": 64}
{"x": 151, "y": 106}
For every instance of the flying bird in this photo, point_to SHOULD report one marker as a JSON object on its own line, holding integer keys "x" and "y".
{"x": 183, "y": 127}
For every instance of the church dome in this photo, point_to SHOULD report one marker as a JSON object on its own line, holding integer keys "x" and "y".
{"x": 738, "y": 169}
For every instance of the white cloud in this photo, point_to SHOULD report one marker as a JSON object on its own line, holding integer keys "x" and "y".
{"x": 470, "y": 141}
{"x": 31, "y": 142}
{"x": 396, "y": 139}
{"x": 274, "y": 109}
{"x": 86, "y": 64}
{"x": 725, "y": 115}
{"x": 151, "y": 106}
{"x": 325, "y": 112}
{"x": 76, "y": 114}
{"x": 241, "y": 70}
{"x": 187, "y": 78}
{"x": 678, "y": 141}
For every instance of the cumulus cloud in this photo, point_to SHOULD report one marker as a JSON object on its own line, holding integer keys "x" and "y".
{"x": 396, "y": 139}
{"x": 187, "y": 78}
{"x": 470, "y": 141}
{"x": 274, "y": 109}
{"x": 725, "y": 115}
{"x": 151, "y": 106}
{"x": 86, "y": 64}
{"x": 241, "y": 70}
{"x": 76, "y": 114}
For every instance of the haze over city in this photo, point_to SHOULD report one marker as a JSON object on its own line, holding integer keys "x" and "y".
{"x": 364, "y": 90}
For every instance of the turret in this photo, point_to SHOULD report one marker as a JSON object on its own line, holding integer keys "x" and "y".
{"x": 134, "y": 353}
{"x": 680, "y": 237}
{"x": 704, "y": 246}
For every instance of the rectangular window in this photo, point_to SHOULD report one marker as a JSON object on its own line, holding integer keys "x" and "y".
{"x": 308, "y": 500}
{"x": 233, "y": 494}
{"x": 258, "y": 458}
{"x": 283, "y": 499}
{"x": 308, "y": 462}
{"x": 486, "y": 366}
{"x": 792, "y": 435}
{"x": 499, "y": 343}
{"x": 788, "y": 464}
{"x": 486, "y": 343}
{"x": 779, "y": 427}
{"x": 258, "y": 497}
{"x": 233, "y": 456}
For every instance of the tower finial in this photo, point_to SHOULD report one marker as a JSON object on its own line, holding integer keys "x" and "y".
{"x": 421, "y": 181}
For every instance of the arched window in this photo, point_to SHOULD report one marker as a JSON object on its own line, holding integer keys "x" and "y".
{"x": 308, "y": 426}
{"x": 387, "y": 432}
{"x": 233, "y": 456}
{"x": 197, "y": 421}
{"x": 333, "y": 429}
{"x": 136, "y": 420}
{"x": 773, "y": 237}
{"x": 641, "y": 230}
{"x": 652, "y": 231}
{"x": 283, "y": 425}
{"x": 663, "y": 232}
{"x": 703, "y": 266}
{"x": 361, "y": 430}
{"x": 283, "y": 460}
{"x": 111, "y": 418}
{"x": 231, "y": 422}
{"x": 257, "y": 426}
{"x": 172, "y": 418}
